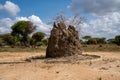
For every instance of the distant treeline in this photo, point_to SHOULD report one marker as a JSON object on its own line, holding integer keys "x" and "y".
{"x": 94, "y": 40}
{"x": 21, "y": 36}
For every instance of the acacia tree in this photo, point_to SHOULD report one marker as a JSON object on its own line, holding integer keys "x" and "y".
{"x": 23, "y": 29}
{"x": 95, "y": 40}
{"x": 8, "y": 39}
{"x": 86, "y": 37}
{"x": 117, "y": 40}
{"x": 37, "y": 38}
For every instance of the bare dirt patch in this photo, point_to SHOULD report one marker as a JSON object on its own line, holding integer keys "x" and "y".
{"x": 107, "y": 67}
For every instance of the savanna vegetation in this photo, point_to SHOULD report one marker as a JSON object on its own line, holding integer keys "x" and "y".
{"x": 24, "y": 38}
{"x": 23, "y": 35}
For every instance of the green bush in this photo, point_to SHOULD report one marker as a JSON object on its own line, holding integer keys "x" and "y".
{"x": 45, "y": 42}
{"x": 117, "y": 40}
{"x": 39, "y": 44}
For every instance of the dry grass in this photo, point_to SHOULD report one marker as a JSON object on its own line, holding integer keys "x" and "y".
{"x": 22, "y": 49}
{"x": 85, "y": 48}
{"x": 103, "y": 47}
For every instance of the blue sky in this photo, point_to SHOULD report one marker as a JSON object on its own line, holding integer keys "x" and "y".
{"x": 45, "y": 9}
{"x": 103, "y": 18}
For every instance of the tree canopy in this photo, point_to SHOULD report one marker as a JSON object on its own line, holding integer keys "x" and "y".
{"x": 37, "y": 38}
{"x": 117, "y": 39}
{"x": 23, "y": 29}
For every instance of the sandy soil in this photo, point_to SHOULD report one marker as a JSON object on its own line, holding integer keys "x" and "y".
{"x": 14, "y": 67}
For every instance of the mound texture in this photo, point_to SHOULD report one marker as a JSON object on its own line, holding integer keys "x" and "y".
{"x": 63, "y": 41}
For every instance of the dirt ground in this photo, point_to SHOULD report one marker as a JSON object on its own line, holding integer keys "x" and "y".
{"x": 14, "y": 67}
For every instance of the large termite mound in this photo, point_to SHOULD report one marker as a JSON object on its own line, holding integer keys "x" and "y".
{"x": 63, "y": 41}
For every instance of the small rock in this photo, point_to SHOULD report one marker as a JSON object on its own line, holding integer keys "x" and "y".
{"x": 57, "y": 72}
{"x": 103, "y": 68}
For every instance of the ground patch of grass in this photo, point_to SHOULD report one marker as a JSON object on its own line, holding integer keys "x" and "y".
{"x": 22, "y": 49}
{"x": 101, "y": 47}
{"x": 85, "y": 48}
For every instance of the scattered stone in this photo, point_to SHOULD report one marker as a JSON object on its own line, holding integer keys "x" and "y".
{"x": 90, "y": 63}
{"x": 57, "y": 72}
{"x": 28, "y": 60}
{"x": 112, "y": 75}
{"x": 103, "y": 68}
{"x": 99, "y": 78}
{"x": 118, "y": 66}
{"x": 110, "y": 66}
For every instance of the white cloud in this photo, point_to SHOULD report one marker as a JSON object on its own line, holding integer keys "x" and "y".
{"x": 41, "y": 26}
{"x": 22, "y": 19}
{"x": 106, "y": 14}
{"x": 37, "y": 21}
{"x": 104, "y": 26}
{"x": 1, "y": 7}
{"x": 10, "y": 7}
{"x": 6, "y": 23}
{"x": 97, "y": 7}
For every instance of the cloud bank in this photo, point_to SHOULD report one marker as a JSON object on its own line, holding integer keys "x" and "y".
{"x": 10, "y": 7}
{"x": 6, "y": 23}
{"x": 37, "y": 21}
{"x": 106, "y": 13}
{"x": 97, "y": 7}
{"x": 13, "y": 9}
{"x": 105, "y": 26}
{"x": 1, "y": 7}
